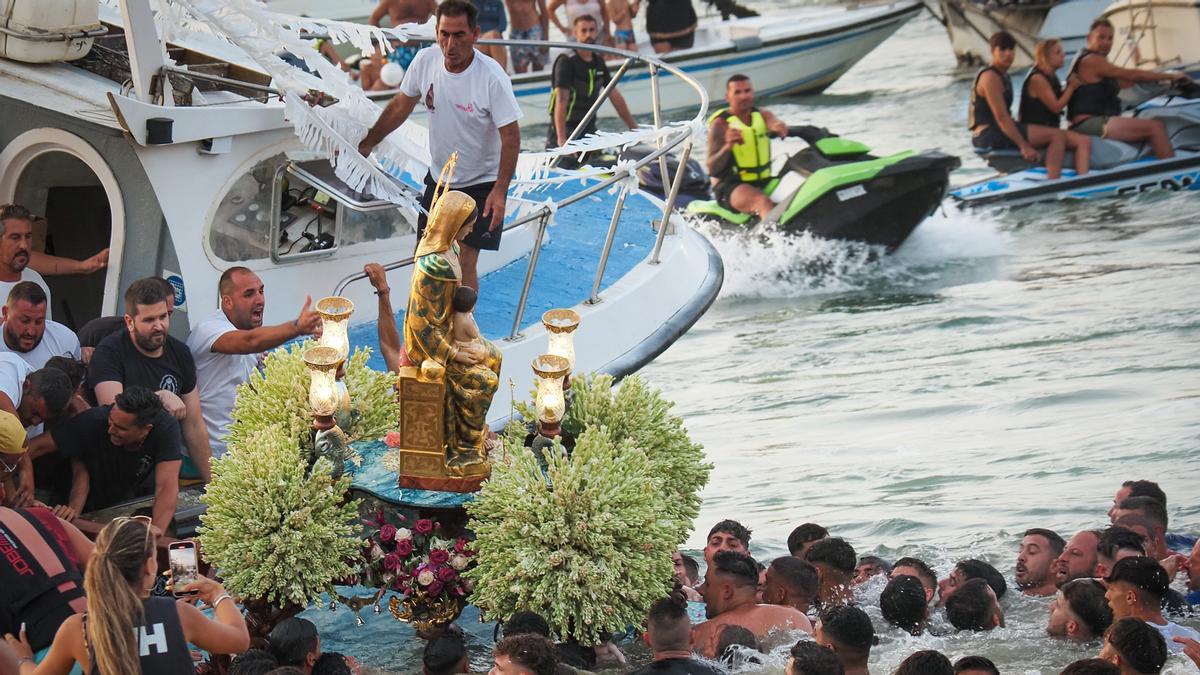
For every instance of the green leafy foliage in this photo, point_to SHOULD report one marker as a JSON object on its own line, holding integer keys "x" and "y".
{"x": 279, "y": 395}
{"x": 581, "y": 543}
{"x": 277, "y": 531}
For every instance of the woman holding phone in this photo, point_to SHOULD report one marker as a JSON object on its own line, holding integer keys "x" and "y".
{"x": 127, "y": 632}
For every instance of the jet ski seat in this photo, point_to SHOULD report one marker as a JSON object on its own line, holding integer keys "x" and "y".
{"x": 1105, "y": 155}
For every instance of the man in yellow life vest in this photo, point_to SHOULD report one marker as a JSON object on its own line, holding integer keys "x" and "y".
{"x": 739, "y": 150}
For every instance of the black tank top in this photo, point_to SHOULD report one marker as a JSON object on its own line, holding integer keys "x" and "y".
{"x": 979, "y": 113}
{"x": 162, "y": 648}
{"x": 1097, "y": 98}
{"x": 1033, "y": 111}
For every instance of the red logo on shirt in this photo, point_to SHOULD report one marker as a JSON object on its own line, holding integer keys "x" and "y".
{"x": 468, "y": 108}
{"x": 429, "y": 98}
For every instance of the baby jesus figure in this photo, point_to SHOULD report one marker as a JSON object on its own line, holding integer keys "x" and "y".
{"x": 463, "y": 330}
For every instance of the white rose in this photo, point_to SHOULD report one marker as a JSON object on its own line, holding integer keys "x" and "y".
{"x": 403, "y": 533}
{"x": 426, "y": 577}
{"x": 458, "y": 562}
{"x": 376, "y": 552}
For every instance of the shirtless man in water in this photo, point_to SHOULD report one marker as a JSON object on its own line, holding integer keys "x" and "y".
{"x": 398, "y": 12}
{"x": 730, "y": 585}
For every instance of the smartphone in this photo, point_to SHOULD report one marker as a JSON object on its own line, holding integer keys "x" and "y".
{"x": 185, "y": 566}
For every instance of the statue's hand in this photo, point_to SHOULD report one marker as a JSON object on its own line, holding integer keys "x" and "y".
{"x": 469, "y": 355}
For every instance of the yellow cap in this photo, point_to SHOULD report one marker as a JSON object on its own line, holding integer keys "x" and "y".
{"x": 12, "y": 434}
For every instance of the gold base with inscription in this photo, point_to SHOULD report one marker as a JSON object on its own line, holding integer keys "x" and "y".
{"x": 422, "y": 438}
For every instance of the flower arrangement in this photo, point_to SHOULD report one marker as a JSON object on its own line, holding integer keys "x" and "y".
{"x": 581, "y": 543}
{"x": 278, "y": 394}
{"x": 297, "y": 534}
{"x": 416, "y": 560}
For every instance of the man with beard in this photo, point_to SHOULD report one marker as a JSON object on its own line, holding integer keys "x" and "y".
{"x": 730, "y": 587}
{"x": 578, "y": 79}
{"x": 1039, "y": 548}
{"x": 27, "y": 331}
{"x": 1078, "y": 558}
{"x": 144, "y": 355}
{"x": 227, "y": 345}
{"x": 18, "y": 260}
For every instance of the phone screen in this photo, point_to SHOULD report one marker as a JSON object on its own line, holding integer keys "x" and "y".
{"x": 184, "y": 567}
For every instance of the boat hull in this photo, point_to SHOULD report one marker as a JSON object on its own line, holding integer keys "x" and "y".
{"x": 970, "y": 24}
{"x": 1156, "y": 33}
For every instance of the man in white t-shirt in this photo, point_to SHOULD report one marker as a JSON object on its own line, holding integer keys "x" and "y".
{"x": 472, "y": 111}
{"x": 16, "y": 254}
{"x": 226, "y": 346}
{"x": 28, "y": 333}
{"x": 34, "y": 396}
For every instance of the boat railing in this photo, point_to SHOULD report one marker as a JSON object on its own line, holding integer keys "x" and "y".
{"x": 664, "y": 144}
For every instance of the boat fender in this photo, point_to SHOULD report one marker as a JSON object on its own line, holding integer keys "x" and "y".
{"x": 746, "y": 43}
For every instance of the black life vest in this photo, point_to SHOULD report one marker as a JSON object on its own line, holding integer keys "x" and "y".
{"x": 1097, "y": 98}
{"x": 1033, "y": 111}
{"x": 162, "y": 646}
{"x": 979, "y": 113}
{"x": 41, "y": 583}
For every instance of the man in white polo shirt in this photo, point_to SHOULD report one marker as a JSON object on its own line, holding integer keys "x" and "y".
{"x": 28, "y": 333}
{"x": 472, "y": 111}
{"x": 226, "y": 346}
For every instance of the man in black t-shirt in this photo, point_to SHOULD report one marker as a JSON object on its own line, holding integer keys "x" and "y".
{"x": 144, "y": 355}
{"x": 129, "y": 449}
{"x": 669, "y": 634}
{"x": 578, "y": 79}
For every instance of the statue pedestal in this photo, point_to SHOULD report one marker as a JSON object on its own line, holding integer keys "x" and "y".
{"x": 422, "y": 438}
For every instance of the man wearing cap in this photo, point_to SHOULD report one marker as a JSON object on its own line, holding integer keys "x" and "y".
{"x": 33, "y": 396}
{"x": 1135, "y": 589}
{"x": 41, "y": 558}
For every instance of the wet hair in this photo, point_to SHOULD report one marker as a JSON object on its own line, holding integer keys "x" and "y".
{"x": 28, "y": 291}
{"x": 332, "y": 663}
{"x": 225, "y": 284}
{"x": 1100, "y": 23}
{"x": 74, "y": 369}
{"x": 668, "y": 625}
{"x": 533, "y": 652}
{"x": 691, "y": 567}
{"x": 14, "y": 212}
{"x": 1149, "y": 507}
{"x": 736, "y": 77}
{"x": 976, "y": 663}
{"x": 1041, "y": 52}
{"x": 733, "y": 639}
{"x": 584, "y": 17}
{"x": 253, "y": 662}
{"x": 923, "y": 570}
{"x": 1091, "y": 667}
{"x": 850, "y": 628}
{"x": 877, "y": 561}
{"x": 741, "y": 567}
{"x": 739, "y": 531}
{"x": 902, "y": 603}
{"x": 1143, "y": 573}
{"x": 835, "y": 552}
{"x": 1140, "y": 645}
{"x": 810, "y": 658}
{"x": 140, "y": 402}
{"x": 799, "y": 576}
{"x": 292, "y": 640}
{"x": 1057, "y": 543}
{"x": 970, "y": 607}
{"x": 1002, "y": 40}
{"x": 52, "y": 386}
{"x": 526, "y": 622}
{"x": 116, "y": 575}
{"x": 925, "y": 662}
{"x": 1086, "y": 599}
{"x": 1145, "y": 488}
{"x": 459, "y": 8}
{"x": 977, "y": 569}
{"x": 1116, "y": 538}
{"x": 443, "y": 653}
{"x": 464, "y": 298}
{"x": 804, "y": 534}
{"x": 147, "y": 291}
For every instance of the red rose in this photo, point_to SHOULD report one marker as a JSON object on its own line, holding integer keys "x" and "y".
{"x": 446, "y": 574}
{"x": 392, "y": 439}
{"x": 387, "y": 532}
{"x": 391, "y": 561}
{"x": 435, "y": 588}
{"x": 404, "y": 547}
{"x": 460, "y": 545}
{"x": 438, "y": 557}
{"x": 423, "y": 526}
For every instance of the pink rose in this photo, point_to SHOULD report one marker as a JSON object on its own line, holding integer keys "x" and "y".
{"x": 387, "y": 532}
{"x": 446, "y": 574}
{"x": 391, "y": 561}
{"x": 404, "y": 547}
{"x": 460, "y": 545}
{"x": 438, "y": 557}
{"x": 435, "y": 588}
{"x": 426, "y": 577}
{"x": 392, "y": 439}
{"x": 423, "y": 526}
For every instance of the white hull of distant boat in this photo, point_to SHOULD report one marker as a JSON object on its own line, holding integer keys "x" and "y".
{"x": 970, "y": 23}
{"x": 1156, "y": 33}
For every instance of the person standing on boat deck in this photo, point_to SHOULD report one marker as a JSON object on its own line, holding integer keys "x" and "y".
{"x": 671, "y": 24}
{"x": 492, "y": 23}
{"x": 1043, "y": 99}
{"x": 739, "y": 150}
{"x": 27, "y": 331}
{"x": 144, "y": 354}
{"x": 19, "y": 262}
{"x": 402, "y": 53}
{"x": 576, "y": 9}
{"x": 990, "y": 119}
{"x": 578, "y": 79}
{"x": 1095, "y": 107}
{"x": 228, "y": 344}
{"x": 530, "y": 20}
{"x": 472, "y": 111}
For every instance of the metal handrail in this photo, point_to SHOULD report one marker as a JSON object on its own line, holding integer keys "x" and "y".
{"x": 605, "y": 93}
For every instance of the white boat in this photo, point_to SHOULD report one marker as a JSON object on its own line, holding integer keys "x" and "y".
{"x": 187, "y": 182}
{"x": 970, "y": 23}
{"x": 1156, "y": 33}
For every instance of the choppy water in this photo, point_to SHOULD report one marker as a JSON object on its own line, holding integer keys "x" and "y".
{"x": 1004, "y": 370}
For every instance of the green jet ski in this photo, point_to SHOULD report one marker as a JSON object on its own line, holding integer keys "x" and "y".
{"x": 848, "y": 193}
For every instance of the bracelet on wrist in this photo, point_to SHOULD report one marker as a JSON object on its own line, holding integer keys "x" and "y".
{"x": 223, "y": 597}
